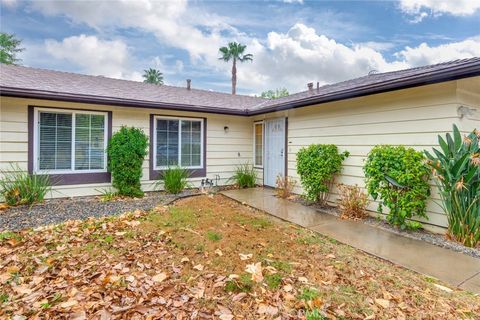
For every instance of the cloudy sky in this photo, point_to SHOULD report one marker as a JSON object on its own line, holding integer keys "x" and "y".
{"x": 293, "y": 42}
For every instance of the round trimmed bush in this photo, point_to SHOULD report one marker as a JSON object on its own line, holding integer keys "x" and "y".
{"x": 316, "y": 165}
{"x": 399, "y": 177}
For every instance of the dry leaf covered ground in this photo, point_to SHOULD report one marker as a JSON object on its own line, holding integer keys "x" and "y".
{"x": 207, "y": 257}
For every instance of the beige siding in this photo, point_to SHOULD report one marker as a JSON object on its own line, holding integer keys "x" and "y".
{"x": 412, "y": 117}
{"x": 224, "y": 150}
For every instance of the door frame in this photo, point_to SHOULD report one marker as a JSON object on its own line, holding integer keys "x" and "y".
{"x": 285, "y": 148}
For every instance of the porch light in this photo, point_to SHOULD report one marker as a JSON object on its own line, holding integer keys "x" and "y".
{"x": 226, "y": 128}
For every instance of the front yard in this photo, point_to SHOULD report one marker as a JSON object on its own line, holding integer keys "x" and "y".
{"x": 207, "y": 257}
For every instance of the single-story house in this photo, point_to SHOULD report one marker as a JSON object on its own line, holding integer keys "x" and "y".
{"x": 59, "y": 123}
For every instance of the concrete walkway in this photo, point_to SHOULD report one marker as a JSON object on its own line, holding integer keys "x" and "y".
{"x": 454, "y": 268}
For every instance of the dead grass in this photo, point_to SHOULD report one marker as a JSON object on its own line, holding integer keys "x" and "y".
{"x": 191, "y": 258}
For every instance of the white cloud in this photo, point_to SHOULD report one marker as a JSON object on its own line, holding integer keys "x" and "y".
{"x": 425, "y": 54}
{"x": 170, "y": 21}
{"x": 9, "y": 3}
{"x": 301, "y": 55}
{"x": 421, "y": 9}
{"x": 288, "y": 59}
{"x": 94, "y": 56}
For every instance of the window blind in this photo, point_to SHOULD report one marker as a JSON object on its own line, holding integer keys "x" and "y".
{"x": 178, "y": 142}
{"x": 55, "y": 149}
{"x": 71, "y": 141}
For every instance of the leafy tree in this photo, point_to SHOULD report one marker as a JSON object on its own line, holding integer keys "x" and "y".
{"x": 235, "y": 52}
{"x": 153, "y": 76}
{"x": 9, "y": 47}
{"x": 275, "y": 94}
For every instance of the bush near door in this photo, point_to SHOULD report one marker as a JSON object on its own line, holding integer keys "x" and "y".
{"x": 317, "y": 164}
{"x": 244, "y": 176}
{"x": 285, "y": 186}
{"x": 398, "y": 177}
{"x": 456, "y": 169}
{"x": 126, "y": 151}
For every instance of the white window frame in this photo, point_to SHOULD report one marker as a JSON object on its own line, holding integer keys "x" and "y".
{"x": 255, "y": 141}
{"x": 36, "y": 139}
{"x": 202, "y": 141}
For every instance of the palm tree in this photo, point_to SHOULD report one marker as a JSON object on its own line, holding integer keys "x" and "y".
{"x": 153, "y": 76}
{"x": 234, "y": 52}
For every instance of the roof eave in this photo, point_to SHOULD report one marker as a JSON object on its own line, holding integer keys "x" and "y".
{"x": 42, "y": 95}
{"x": 448, "y": 75}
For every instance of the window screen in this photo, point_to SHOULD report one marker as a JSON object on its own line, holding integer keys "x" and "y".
{"x": 258, "y": 144}
{"x": 71, "y": 141}
{"x": 55, "y": 147}
{"x": 179, "y": 142}
{"x": 89, "y": 141}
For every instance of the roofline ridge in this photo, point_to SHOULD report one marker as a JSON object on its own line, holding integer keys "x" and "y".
{"x": 132, "y": 81}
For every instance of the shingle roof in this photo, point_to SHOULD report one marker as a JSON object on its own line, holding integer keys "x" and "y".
{"x": 66, "y": 84}
{"x": 48, "y": 84}
{"x": 376, "y": 83}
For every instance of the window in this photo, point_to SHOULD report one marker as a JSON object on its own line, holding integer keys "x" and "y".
{"x": 178, "y": 142}
{"x": 258, "y": 144}
{"x": 70, "y": 141}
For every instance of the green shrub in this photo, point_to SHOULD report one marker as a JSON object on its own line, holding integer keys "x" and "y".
{"x": 399, "y": 177}
{"x": 244, "y": 176}
{"x": 456, "y": 169}
{"x": 175, "y": 179}
{"x": 126, "y": 151}
{"x": 19, "y": 187}
{"x": 317, "y": 164}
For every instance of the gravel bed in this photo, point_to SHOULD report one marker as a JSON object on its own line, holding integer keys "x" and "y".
{"x": 59, "y": 210}
{"x": 433, "y": 238}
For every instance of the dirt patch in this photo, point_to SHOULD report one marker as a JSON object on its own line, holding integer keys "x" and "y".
{"x": 208, "y": 257}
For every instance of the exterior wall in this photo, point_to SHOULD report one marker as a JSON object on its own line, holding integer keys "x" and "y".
{"x": 412, "y": 117}
{"x": 224, "y": 150}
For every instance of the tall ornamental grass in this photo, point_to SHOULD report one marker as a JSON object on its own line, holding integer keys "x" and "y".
{"x": 244, "y": 176}
{"x": 175, "y": 179}
{"x": 19, "y": 187}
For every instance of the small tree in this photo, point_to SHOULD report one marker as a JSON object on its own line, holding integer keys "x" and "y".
{"x": 398, "y": 176}
{"x": 126, "y": 151}
{"x": 275, "y": 94}
{"x": 317, "y": 164}
{"x": 9, "y": 47}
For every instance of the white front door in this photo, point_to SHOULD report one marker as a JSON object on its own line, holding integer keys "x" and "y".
{"x": 274, "y": 150}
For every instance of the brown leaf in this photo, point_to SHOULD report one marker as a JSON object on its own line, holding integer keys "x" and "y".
{"x": 160, "y": 277}
{"x": 68, "y": 304}
{"x": 383, "y": 303}
{"x": 198, "y": 267}
{"x": 256, "y": 271}
{"x": 267, "y": 309}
